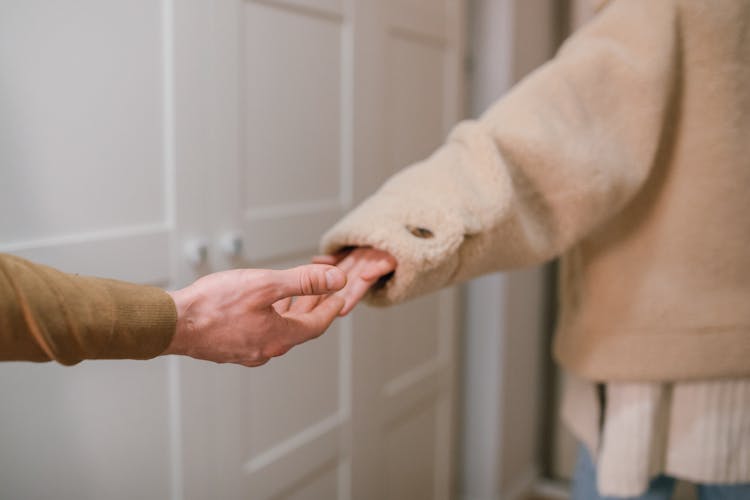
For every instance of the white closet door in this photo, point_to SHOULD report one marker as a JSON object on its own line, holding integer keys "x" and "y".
{"x": 85, "y": 185}
{"x": 333, "y": 96}
{"x": 83, "y": 142}
{"x": 125, "y": 126}
{"x": 405, "y": 357}
{"x": 278, "y": 110}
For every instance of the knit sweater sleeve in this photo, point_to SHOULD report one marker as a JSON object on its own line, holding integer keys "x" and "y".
{"x": 563, "y": 151}
{"x": 48, "y": 315}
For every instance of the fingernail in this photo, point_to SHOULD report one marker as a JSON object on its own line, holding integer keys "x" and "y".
{"x": 334, "y": 279}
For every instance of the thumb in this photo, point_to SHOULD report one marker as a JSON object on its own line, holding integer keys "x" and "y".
{"x": 310, "y": 279}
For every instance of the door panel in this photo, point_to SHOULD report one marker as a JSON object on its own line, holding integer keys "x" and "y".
{"x": 303, "y": 162}
{"x": 294, "y": 180}
{"x": 308, "y": 397}
{"x": 294, "y": 427}
{"x": 315, "y": 7}
{"x": 413, "y": 391}
{"x": 324, "y": 484}
{"x": 410, "y": 448}
{"x": 99, "y": 430}
{"x": 333, "y": 414}
{"x": 411, "y": 334}
{"x": 417, "y": 397}
{"x": 415, "y": 95}
{"x": 278, "y": 430}
{"x": 85, "y": 186}
{"x": 82, "y": 128}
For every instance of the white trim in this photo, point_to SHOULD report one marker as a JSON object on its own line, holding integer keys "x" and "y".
{"x": 291, "y": 209}
{"x": 346, "y": 154}
{"x": 482, "y": 389}
{"x": 488, "y": 456}
{"x": 175, "y": 429}
{"x": 168, "y": 110}
{"x": 85, "y": 237}
{"x": 484, "y": 321}
{"x": 310, "y": 434}
{"x": 304, "y": 9}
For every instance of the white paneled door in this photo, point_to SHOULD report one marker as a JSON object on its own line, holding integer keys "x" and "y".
{"x": 85, "y": 185}
{"x": 135, "y": 134}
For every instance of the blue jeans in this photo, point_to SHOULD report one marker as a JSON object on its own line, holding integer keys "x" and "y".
{"x": 660, "y": 488}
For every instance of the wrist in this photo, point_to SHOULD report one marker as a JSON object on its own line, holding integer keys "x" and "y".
{"x": 178, "y": 344}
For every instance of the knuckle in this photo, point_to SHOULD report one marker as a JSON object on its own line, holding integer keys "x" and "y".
{"x": 260, "y": 279}
{"x": 276, "y": 350}
{"x": 260, "y": 275}
{"x": 266, "y": 286}
{"x": 255, "y": 364}
{"x": 307, "y": 282}
{"x": 254, "y": 355}
{"x": 316, "y": 332}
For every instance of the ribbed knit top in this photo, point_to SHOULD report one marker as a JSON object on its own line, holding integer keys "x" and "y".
{"x": 697, "y": 431}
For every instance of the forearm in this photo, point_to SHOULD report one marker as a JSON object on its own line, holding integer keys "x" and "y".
{"x": 564, "y": 151}
{"x": 50, "y": 315}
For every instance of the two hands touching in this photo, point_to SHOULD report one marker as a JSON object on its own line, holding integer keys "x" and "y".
{"x": 364, "y": 267}
{"x": 248, "y": 316}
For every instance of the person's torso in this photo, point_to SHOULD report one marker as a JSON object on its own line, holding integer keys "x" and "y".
{"x": 676, "y": 261}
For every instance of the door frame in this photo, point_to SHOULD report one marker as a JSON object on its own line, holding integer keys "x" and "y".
{"x": 505, "y": 348}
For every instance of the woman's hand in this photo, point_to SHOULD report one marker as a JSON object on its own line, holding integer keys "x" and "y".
{"x": 364, "y": 266}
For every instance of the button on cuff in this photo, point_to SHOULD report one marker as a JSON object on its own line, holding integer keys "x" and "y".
{"x": 420, "y": 232}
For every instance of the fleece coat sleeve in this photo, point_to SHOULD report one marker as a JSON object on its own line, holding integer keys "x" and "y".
{"x": 563, "y": 151}
{"x": 48, "y": 315}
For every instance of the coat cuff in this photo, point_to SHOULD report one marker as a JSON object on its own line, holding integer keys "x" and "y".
{"x": 424, "y": 215}
{"x": 423, "y": 242}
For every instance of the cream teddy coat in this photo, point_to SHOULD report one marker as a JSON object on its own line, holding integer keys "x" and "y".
{"x": 629, "y": 155}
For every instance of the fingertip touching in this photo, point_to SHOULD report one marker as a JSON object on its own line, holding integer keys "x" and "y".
{"x": 335, "y": 279}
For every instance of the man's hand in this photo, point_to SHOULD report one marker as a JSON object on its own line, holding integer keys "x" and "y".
{"x": 364, "y": 266}
{"x": 246, "y": 316}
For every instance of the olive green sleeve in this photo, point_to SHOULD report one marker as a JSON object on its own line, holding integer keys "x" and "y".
{"x": 46, "y": 314}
